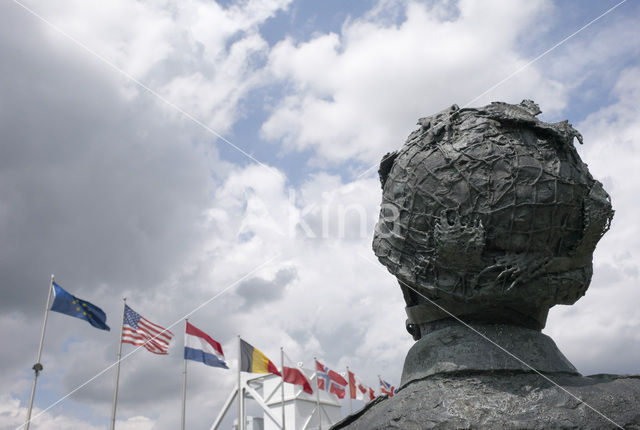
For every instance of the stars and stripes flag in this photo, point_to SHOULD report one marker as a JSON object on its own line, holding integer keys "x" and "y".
{"x": 387, "y": 388}
{"x": 138, "y": 330}
{"x": 330, "y": 380}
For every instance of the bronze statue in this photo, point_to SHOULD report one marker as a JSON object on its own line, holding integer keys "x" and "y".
{"x": 491, "y": 212}
{"x": 488, "y": 219}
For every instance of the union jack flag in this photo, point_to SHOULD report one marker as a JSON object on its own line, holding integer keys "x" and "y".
{"x": 331, "y": 381}
{"x": 387, "y": 388}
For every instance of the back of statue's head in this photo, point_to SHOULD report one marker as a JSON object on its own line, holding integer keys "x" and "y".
{"x": 492, "y": 213}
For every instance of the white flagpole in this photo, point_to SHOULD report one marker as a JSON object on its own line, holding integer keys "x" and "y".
{"x": 349, "y": 379}
{"x": 184, "y": 380}
{"x": 318, "y": 395}
{"x": 38, "y": 367}
{"x": 240, "y": 390}
{"x": 282, "y": 387}
{"x": 115, "y": 390}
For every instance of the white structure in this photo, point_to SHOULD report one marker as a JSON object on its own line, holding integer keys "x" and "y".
{"x": 300, "y": 408}
{"x": 250, "y": 423}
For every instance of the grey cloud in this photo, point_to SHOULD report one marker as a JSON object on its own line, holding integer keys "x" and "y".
{"x": 95, "y": 188}
{"x": 144, "y": 380}
{"x": 257, "y": 291}
{"x": 108, "y": 193}
{"x": 615, "y": 354}
{"x": 605, "y": 274}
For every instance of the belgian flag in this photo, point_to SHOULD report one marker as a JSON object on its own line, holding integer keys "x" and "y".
{"x": 254, "y": 361}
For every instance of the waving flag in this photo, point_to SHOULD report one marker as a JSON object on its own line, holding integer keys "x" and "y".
{"x": 358, "y": 390}
{"x": 138, "y": 330}
{"x": 387, "y": 388}
{"x": 68, "y": 304}
{"x": 331, "y": 381}
{"x": 199, "y": 346}
{"x": 293, "y": 375}
{"x": 254, "y": 361}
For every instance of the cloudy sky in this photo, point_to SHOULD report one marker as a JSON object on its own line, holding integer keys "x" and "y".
{"x": 221, "y": 157}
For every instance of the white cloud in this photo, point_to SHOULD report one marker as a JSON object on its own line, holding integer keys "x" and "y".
{"x": 216, "y": 97}
{"x": 357, "y": 95}
{"x": 12, "y": 416}
{"x": 598, "y": 54}
{"x": 603, "y": 326}
{"x": 211, "y": 25}
{"x": 329, "y": 308}
{"x": 136, "y": 43}
{"x": 202, "y": 57}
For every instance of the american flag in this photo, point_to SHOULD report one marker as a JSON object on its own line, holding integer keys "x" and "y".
{"x": 138, "y": 330}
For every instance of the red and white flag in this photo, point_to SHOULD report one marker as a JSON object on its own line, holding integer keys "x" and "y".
{"x": 293, "y": 375}
{"x": 138, "y": 330}
{"x": 358, "y": 390}
{"x": 331, "y": 381}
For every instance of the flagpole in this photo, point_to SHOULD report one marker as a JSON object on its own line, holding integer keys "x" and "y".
{"x": 115, "y": 390}
{"x": 318, "y": 395}
{"x": 240, "y": 399}
{"x": 38, "y": 367}
{"x": 282, "y": 387}
{"x": 184, "y": 383}
{"x": 349, "y": 379}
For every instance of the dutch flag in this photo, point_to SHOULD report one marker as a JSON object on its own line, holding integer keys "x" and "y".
{"x": 199, "y": 346}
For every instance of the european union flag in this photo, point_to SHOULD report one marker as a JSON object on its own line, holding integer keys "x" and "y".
{"x": 68, "y": 304}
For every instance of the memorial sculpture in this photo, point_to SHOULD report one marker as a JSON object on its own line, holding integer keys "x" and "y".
{"x": 488, "y": 219}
